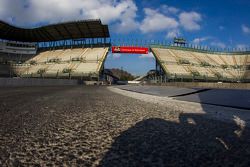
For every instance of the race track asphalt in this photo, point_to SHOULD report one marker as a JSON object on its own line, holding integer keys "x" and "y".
{"x": 219, "y": 97}
{"x": 92, "y": 126}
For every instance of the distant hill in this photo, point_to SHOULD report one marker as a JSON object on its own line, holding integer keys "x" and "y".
{"x": 122, "y": 75}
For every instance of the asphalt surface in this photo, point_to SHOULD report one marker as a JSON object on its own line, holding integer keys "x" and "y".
{"x": 92, "y": 126}
{"x": 159, "y": 90}
{"x": 220, "y": 97}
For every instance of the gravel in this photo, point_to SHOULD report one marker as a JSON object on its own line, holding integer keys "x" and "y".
{"x": 93, "y": 126}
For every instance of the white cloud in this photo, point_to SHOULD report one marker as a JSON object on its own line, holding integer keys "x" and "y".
{"x": 189, "y": 20}
{"x": 32, "y": 12}
{"x": 120, "y": 15}
{"x": 245, "y": 29}
{"x": 218, "y": 44}
{"x": 173, "y": 33}
{"x": 155, "y": 21}
{"x": 169, "y": 9}
{"x": 173, "y": 10}
{"x": 125, "y": 26}
{"x": 165, "y": 19}
{"x": 149, "y": 55}
{"x": 127, "y": 22}
{"x": 200, "y": 40}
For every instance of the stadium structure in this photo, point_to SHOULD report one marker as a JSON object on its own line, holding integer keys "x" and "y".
{"x": 66, "y": 50}
{"x": 181, "y": 63}
{"x": 79, "y": 49}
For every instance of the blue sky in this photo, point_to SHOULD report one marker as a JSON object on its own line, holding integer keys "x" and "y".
{"x": 219, "y": 24}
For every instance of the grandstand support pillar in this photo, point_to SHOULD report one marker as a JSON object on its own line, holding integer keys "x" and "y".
{"x": 70, "y": 76}
{"x": 156, "y": 67}
{"x": 104, "y": 42}
{"x": 64, "y": 42}
{"x": 222, "y": 78}
{"x": 161, "y": 71}
{"x": 10, "y": 73}
{"x": 92, "y": 42}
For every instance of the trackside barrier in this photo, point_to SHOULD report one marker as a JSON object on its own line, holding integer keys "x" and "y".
{"x": 18, "y": 82}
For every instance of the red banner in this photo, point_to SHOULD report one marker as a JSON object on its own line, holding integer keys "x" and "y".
{"x": 129, "y": 49}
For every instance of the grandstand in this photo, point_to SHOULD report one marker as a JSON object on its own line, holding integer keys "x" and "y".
{"x": 79, "y": 49}
{"x": 203, "y": 65}
{"x": 73, "y": 49}
{"x": 77, "y": 62}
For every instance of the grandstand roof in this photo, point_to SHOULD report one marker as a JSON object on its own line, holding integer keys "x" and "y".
{"x": 55, "y": 32}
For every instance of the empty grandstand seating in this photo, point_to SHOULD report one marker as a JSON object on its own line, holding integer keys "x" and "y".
{"x": 240, "y": 59}
{"x": 14, "y": 58}
{"x": 188, "y": 63}
{"x": 85, "y": 68}
{"x": 94, "y": 55}
{"x": 176, "y": 69}
{"x": 72, "y": 54}
{"x": 185, "y": 56}
{"x": 165, "y": 56}
{"x": 12, "y": 64}
{"x": 76, "y": 62}
{"x": 47, "y": 56}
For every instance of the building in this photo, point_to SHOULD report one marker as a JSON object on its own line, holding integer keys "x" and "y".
{"x": 66, "y": 50}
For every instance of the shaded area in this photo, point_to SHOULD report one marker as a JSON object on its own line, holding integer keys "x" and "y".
{"x": 221, "y": 97}
{"x": 194, "y": 141}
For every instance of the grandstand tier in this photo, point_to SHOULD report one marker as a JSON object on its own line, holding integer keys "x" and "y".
{"x": 77, "y": 62}
{"x": 71, "y": 49}
{"x": 184, "y": 63}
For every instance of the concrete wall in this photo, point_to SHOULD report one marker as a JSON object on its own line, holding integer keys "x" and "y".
{"x": 15, "y": 82}
{"x": 134, "y": 82}
{"x": 207, "y": 85}
{"x": 93, "y": 83}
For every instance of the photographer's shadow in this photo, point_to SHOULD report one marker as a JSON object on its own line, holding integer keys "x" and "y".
{"x": 193, "y": 141}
